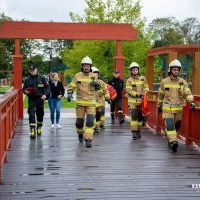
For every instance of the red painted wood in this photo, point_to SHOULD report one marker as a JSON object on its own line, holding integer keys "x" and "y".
{"x": 180, "y": 49}
{"x": 75, "y": 31}
{"x": 190, "y": 126}
{"x": 8, "y": 120}
{"x": 17, "y": 70}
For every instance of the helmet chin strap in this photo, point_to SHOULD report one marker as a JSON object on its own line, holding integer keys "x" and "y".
{"x": 86, "y": 72}
{"x": 134, "y": 75}
{"x": 174, "y": 76}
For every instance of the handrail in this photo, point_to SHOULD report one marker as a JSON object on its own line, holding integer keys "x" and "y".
{"x": 8, "y": 119}
{"x": 190, "y": 126}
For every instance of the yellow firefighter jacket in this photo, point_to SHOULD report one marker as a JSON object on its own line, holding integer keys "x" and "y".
{"x": 86, "y": 94}
{"x": 135, "y": 88}
{"x": 172, "y": 94}
{"x": 102, "y": 94}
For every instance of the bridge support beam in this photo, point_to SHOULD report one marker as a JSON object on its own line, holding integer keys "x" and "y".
{"x": 119, "y": 59}
{"x": 196, "y": 74}
{"x": 17, "y": 71}
{"x": 150, "y": 71}
{"x": 119, "y": 65}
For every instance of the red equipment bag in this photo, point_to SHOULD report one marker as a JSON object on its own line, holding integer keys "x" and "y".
{"x": 145, "y": 108}
{"x": 111, "y": 91}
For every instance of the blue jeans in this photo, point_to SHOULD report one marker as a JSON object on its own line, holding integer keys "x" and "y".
{"x": 54, "y": 105}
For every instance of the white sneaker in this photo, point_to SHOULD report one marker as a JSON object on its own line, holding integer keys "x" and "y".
{"x": 58, "y": 126}
{"x": 52, "y": 126}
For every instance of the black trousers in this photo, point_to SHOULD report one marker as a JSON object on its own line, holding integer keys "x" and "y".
{"x": 35, "y": 107}
{"x": 117, "y": 103}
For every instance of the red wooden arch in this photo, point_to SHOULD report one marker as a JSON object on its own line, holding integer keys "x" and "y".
{"x": 75, "y": 31}
{"x": 173, "y": 52}
{"x": 51, "y": 30}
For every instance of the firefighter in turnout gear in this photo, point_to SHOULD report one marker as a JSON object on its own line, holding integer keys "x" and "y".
{"x": 136, "y": 87}
{"x": 171, "y": 99}
{"x": 37, "y": 89}
{"x": 86, "y": 85}
{"x": 102, "y": 95}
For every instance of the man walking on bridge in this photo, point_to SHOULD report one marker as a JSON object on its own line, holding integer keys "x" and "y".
{"x": 171, "y": 99}
{"x": 37, "y": 89}
{"x": 118, "y": 85}
{"x": 85, "y": 82}
{"x": 136, "y": 87}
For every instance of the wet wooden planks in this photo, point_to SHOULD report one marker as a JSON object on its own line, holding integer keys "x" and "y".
{"x": 56, "y": 166}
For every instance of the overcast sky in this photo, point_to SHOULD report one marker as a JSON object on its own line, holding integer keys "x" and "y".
{"x": 58, "y": 10}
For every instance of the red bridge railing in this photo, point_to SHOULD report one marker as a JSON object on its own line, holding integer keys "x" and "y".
{"x": 8, "y": 120}
{"x": 190, "y": 126}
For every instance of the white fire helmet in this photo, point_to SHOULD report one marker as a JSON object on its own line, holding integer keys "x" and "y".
{"x": 86, "y": 60}
{"x": 134, "y": 64}
{"x": 95, "y": 70}
{"x": 174, "y": 63}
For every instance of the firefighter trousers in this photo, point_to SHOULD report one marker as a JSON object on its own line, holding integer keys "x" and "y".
{"x": 100, "y": 116}
{"x": 136, "y": 117}
{"x": 172, "y": 123}
{"x": 35, "y": 108}
{"x": 87, "y": 112}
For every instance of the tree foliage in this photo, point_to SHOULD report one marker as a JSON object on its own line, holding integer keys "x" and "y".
{"x": 166, "y": 31}
{"x": 170, "y": 31}
{"x": 190, "y": 29}
{"x": 6, "y": 47}
{"x": 102, "y": 52}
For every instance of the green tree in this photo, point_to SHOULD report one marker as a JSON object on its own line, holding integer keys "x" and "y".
{"x": 166, "y": 31}
{"x": 190, "y": 28}
{"x": 102, "y": 52}
{"x": 6, "y": 47}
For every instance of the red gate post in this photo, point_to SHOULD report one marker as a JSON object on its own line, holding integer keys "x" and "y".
{"x": 150, "y": 71}
{"x": 119, "y": 65}
{"x": 119, "y": 59}
{"x": 17, "y": 71}
{"x": 196, "y": 74}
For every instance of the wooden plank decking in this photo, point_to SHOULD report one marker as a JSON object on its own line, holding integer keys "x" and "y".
{"x": 56, "y": 166}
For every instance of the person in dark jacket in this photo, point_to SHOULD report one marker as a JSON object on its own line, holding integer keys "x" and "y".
{"x": 56, "y": 92}
{"x": 37, "y": 89}
{"x": 118, "y": 85}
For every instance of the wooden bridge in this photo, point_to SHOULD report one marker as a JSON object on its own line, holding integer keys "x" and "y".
{"x": 56, "y": 166}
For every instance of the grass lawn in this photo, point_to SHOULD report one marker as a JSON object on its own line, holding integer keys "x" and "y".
{"x": 4, "y": 89}
{"x": 64, "y": 103}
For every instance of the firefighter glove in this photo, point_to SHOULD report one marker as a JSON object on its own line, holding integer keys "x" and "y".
{"x": 108, "y": 100}
{"x": 192, "y": 105}
{"x": 69, "y": 97}
{"x": 159, "y": 109}
{"x": 139, "y": 95}
{"x": 96, "y": 85}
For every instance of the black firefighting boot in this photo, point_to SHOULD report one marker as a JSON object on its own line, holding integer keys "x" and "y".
{"x": 112, "y": 119}
{"x": 80, "y": 138}
{"x": 96, "y": 130}
{"x": 121, "y": 118}
{"x": 102, "y": 126}
{"x": 134, "y": 135}
{"x": 39, "y": 128}
{"x": 174, "y": 146}
{"x": 138, "y": 134}
{"x": 33, "y": 132}
{"x": 88, "y": 143}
